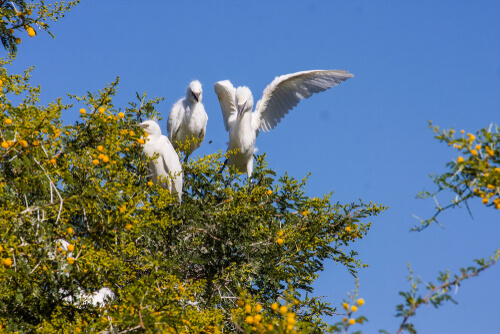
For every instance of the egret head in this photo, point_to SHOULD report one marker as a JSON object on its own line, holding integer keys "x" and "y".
{"x": 151, "y": 128}
{"x": 194, "y": 92}
{"x": 244, "y": 100}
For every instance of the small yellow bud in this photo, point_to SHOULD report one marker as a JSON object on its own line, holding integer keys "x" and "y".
{"x": 352, "y": 321}
{"x": 269, "y": 192}
{"x": 360, "y": 301}
{"x": 473, "y": 152}
{"x": 7, "y": 262}
{"x": 8, "y": 121}
{"x": 279, "y": 241}
{"x": 121, "y": 115}
{"x": 345, "y": 306}
{"x": 274, "y": 306}
{"x": 100, "y": 148}
{"x": 248, "y": 308}
{"x": 150, "y": 183}
{"x": 283, "y": 309}
{"x": 5, "y": 145}
{"x": 95, "y": 162}
{"x": 249, "y": 320}
{"x": 460, "y": 159}
{"x": 348, "y": 229}
{"x": 71, "y": 247}
{"x": 70, "y": 230}
{"x": 53, "y": 161}
{"x": 82, "y": 111}
{"x": 140, "y": 141}
{"x": 71, "y": 260}
{"x": 18, "y": 40}
{"x": 354, "y": 308}
{"x": 105, "y": 158}
{"x": 31, "y": 31}
{"x": 258, "y": 308}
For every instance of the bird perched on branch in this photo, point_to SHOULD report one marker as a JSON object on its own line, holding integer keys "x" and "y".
{"x": 188, "y": 120}
{"x": 166, "y": 168}
{"x": 279, "y": 97}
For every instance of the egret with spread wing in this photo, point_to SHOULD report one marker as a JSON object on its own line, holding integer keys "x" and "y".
{"x": 166, "y": 166}
{"x": 187, "y": 119}
{"x": 279, "y": 97}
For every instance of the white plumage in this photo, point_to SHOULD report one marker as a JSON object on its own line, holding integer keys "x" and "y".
{"x": 166, "y": 167}
{"x": 279, "y": 97}
{"x": 187, "y": 118}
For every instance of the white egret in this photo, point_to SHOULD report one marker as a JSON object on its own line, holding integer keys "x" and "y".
{"x": 187, "y": 119}
{"x": 279, "y": 97}
{"x": 167, "y": 166}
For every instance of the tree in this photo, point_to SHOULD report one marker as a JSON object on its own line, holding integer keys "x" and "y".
{"x": 79, "y": 213}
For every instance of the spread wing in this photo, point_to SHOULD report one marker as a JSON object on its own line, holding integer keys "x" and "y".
{"x": 227, "y": 100}
{"x": 286, "y": 91}
{"x": 174, "y": 119}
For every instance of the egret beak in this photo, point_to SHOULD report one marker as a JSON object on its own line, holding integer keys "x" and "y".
{"x": 144, "y": 125}
{"x": 241, "y": 108}
{"x": 196, "y": 96}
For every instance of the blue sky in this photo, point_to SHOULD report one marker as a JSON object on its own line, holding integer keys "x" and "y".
{"x": 367, "y": 138}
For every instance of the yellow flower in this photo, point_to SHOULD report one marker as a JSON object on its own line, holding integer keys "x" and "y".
{"x": 8, "y": 121}
{"x": 71, "y": 247}
{"x": 105, "y": 158}
{"x": 7, "y": 262}
{"x": 304, "y": 213}
{"x": 283, "y": 309}
{"x": 122, "y": 208}
{"x": 258, "y": 308}
{"x": 150, "y": 183}
{"x": 140, "y": 141}
{"x": 249, "y": 320}
{"x": 269, "y": 192}
{"x": 31, "y": 31}
{"x": 274, "y": 306}
{"x": 100, "y": 148}
{"x": 345, "y": 306}
{"x": 128, "y": 226}
{"x": 70, "y": 230}
{"x": 257, "y": 318}
{"x": 82, "y": 111}
{"x": 348, "y": 229}
{"x": 248, "y": 308}
{"x": 101, "y": 110}
{"x": 279, "y": 241}
{"x": 477, "y": 147}
{"x": 71, "y": 260}
{"x": 360, "y": 301}
{"x": 95, "y": 162}
{"x": 53, "y": 161}
{"x": 473, "y": 152}
{"x": 5, "y": 145}
{"x": 18, "y": 40}
{"x": 460, "y": 159}
{"x": 354, "y": 308}
{"x": 344, "y": 319}
{"x": 352, "y": 321}
{"x": 121, "y": 115}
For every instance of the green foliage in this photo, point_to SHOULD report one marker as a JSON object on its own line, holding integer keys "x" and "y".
{"x": 19, "y": 17}
{"x": 475, "y": 173}
{"x": 437, "y": 294}
{"x": 173, "y": 267}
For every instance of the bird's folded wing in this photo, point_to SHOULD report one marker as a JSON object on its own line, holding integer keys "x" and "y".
{"x": 286, "y": 91}
{"x": 227, "y": 95}
{"x": 174, "y": 119}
